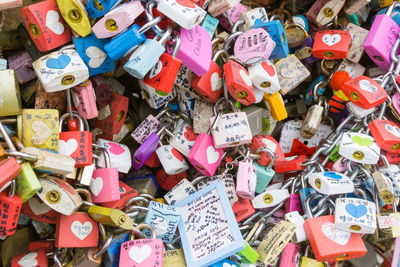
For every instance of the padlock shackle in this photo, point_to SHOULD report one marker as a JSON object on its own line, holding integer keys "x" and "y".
{"x": 150, "y": 24}
{"x": 149, "y": 15}
{"x": 236, "y": 26}
{"x": 146, "y": 226}
{"x": 270, "y": 153}
{"x": 107, "y": 158}
{"x": 220, "y": 53}
{"x": 6, "y": 137}
{"x": 64, "y": 116}
{"x": 231, "y": 38}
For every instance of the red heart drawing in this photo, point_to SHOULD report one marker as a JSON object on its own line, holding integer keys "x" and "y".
{"x": 189, "y": 134}
{"x": 115, "y": 149}
{"x": 268, "y": 68}
{"x": 186, "y": 3}
{"x": 177, "y": 154}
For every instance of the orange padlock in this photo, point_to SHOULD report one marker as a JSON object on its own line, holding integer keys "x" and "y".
{"x": 331, "y": 44}
{"x": 386, "y": 134}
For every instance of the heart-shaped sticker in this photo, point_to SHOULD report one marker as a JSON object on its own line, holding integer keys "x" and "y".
{"x": 53, "y": 22}
{"x": 96, "y": 57}
{"x": 96, "y": 185}
{"x": 29, "y": 260}
{"x": 393, "y": 129}
{"x": 59, "y": 63}
{"x": 335, "y": 234}
{"x": 245, "y": 76}
{"x": 269, "y": 68}
{"x": 367, "y": 86}
{"x": 356, "y": 211}
{"x": 212, "y": 155}
{"x": 176, "y": 154}
{"x": 41, "y": 131}
{"x": 37, "y": 206}
{"x": 139, "y": 254}
{"x": 67, "y": 148}
{"x": 216, "y": 82}
{"x": 80, "y": 230}
{"x": 330, "y": 40}
{"x": 361, "y": 141}
{"x": 333, "y": 175}
{"x": 189, "y": 134}
{"x": 115, "y": 149}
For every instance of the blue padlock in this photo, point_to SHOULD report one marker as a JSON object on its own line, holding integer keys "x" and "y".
{"x": 395, "y": 15}
{"x": 264, "y": 176}
{"x": 309, "y": 96}
{"x": 111, "y": 256}
{"x": 304, "y": 193}
{"x": 146, "y": 56}
{"x": 92, "y": 52}
{"x": 128, "y": 40}
{"x": 98, "y": 8}
{"x": 275, "y": 29}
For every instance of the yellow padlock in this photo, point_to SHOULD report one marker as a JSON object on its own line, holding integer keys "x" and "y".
{"x": 384, "y": 3}
{"x": 39, "y": 128}
{"x": 74, "y": 13}
{"x": 174, "y": 258}
{"x": 10, "y": 99}
{"x": 276, "y": 106}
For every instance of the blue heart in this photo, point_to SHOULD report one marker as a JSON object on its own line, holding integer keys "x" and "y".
{"x": 356, "y": 211}
{"x": 60, "y": 63}
{"x": 332, "y": 175}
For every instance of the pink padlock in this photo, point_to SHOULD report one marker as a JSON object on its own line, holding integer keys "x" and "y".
{"x": 84, "y": 99}
{"x": 204, "y": 156}
{"x": 339, "y": 165}
{"x": 171, "y": 159}
{"x": 195, "y": 49}
{"x": 381, "y": 38}
{"x": 118, "y": 19}
{"x": 290, "y": 255}
{"x": 255, "y": 45}
{"x": 293, "y": 203}
{"x": 395, "y": 104}
{"x": 142, "y": 252}
{"x": 104, "y": 186}
{"x": 233, "y": 14}
{"x": 6, "y": 4}
{"x": 246, "y": 179}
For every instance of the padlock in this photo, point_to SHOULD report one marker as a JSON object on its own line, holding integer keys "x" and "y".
{"x": 243, "y": 209}
{"x": 182, "y": 190}
{"x": 379, "y": 43}
{"x": 147, "y": 126}
{"x": 290, "y": 255}
{"x": 10, "y": 101}
{"x": 291, "y": 73}
{"x": 10, "y": 208}
{"x": 355, "y": 215}
{"x": 133, "y": 252}
{"x": 146, "y": 56}
{"x": 265, "y": 144}
{"x": 360, "y": 148}
{"x": 183, "y": 12}
{"x": 75, "y": 144}
{"x": 59, "y": 195}
{"x": 45, "y": 25}
{"x": 22, "y": 62}
{"x": 39, "y": 128}
{"x": 74, "y": 13}
{"x": 330, "y": 243}
{"x": 210, "y": 24}
{"x": 209, "y": 85}
{"x": 11, "y": 169}
{"x": 153, "y": 97}
{"x": 92, "y": 52}
{"x": 264, "y": 174}
{"x": 359, "y": 112}
{"x": 270, "y": 198}
{"x": 164, "y": 219}
{"x": 84, "y": 98}
{"x": 126, "y": 194}
{"x": 330, "y": 183}
{"x": 230, "y": 129}
{"x": 386, "y": 134}
{"x": 264, "y": 77}
{"x": 183, "y": 137}
{"x": 384, "y": 187}
{"x": 331, "y": 44}
{"x": 120, "y": 156}
{"x": 163, "y": 74}
{"x": 250, "y": 16}
{"x": 307, "y": 261}
{"x": 61, "y": 70}
{"x": 253, "y": 46}
{"x": 293, "y": 203}
{"x": 296, "y": 30}
{"x": 313, "y": 118}
{"x": 99, "y": 8}
{"x": 118, "y": 19}
{"x": 228, "y": 17}
{"x": 226, "y": 178}
{"x": 295, "y": 218}
{"x": 110, "y": 217}
{"x": 276, "y": 106}
{"x": 112, "y": 124}
{"x": 387, "y": 222}
{"x": 35, "y": 209}
{"x": 246, "y": 179}
{"x": 358, "y": 36}
{"x": 324, "y": 11}
{"x": 238, "y": 83}
{"x": 219, "y": 7}
{"x": 10, "y": 4}
{"x": 32, "y": 258}
{"x": 278, "y": 36}
{"x": 27, "y": 183}
{"x": 167, "y": 182}
{"x": 290, "y": 164}
{"x": 105, "y": 186}
{"x": 171, "y": 159}
{"x": 76, "y": 230}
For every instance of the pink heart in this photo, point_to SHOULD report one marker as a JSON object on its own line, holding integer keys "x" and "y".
{"x": 115, "y": 149}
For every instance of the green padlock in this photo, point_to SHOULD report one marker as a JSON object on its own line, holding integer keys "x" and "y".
{"x": 248, "y": 254}
{"x": 27, "y": 182}
{"x": 334, "y": 155}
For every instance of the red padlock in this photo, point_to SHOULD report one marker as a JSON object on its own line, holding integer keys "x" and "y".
{"x": 76, "y": 144}
{"x": 364, "y": 92}
{"x": 35, "y": 258}
{"x": 76, "y": 230}
{"x": 331, "y": 44}
{"x": 46, "y": 26}
{"x": 47, "y": 245}
{"x": 330, "y": 243}
{"x": 167, "y": 182}
{"x": 267, "y": 141}
{"x": 35, "y": 209}
{"x": 102, "y": 90}
{"x": 9, "y": 168}
{"x": 243, "y": 209}
{"x": 386, "y": 134}
{"x": 153, "y": 161}
{"x": 238, "y": 83}
{"x": 126, "y": 193}
{"x": 290, "y": 164}
{"x": 10, "y": 207}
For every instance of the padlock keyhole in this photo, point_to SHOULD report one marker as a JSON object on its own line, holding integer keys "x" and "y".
{"x": 53, "y": 197}
{"x": 111, "y": 25}
{"x": 74, "y": 15}
{"x": 34, "y": 29}
{"x": 328, "y": 12}
{"x": 99, "y": 6}
{"x": 120, "y": 115}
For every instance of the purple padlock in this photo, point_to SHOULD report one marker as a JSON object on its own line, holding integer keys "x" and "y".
{"x": 22, "y": 62}
{"x": 195, "y": 50}
{"x": 293, "y": 203}
{"x": 144, "y": 152}
{"x": 254, "y": 45}
{"x": 304, "y": 51}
